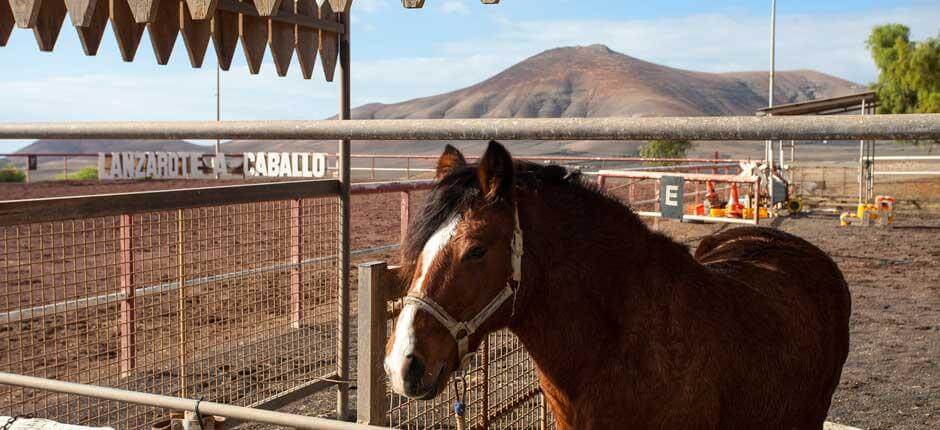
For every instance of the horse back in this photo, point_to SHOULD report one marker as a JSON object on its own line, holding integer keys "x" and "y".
{"x": 791, "y": 300}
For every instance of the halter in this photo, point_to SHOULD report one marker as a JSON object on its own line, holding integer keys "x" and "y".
{"x": 462, "y": 330}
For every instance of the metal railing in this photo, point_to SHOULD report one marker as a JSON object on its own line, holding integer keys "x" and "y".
{"x": 229, "y": 293}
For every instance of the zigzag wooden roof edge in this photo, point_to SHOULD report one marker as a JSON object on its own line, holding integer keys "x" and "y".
{"x": 165, "y": 21}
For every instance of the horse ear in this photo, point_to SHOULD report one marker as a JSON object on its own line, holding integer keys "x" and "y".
{"x": 496, "y": 172}
{"x": 450, "y": 160}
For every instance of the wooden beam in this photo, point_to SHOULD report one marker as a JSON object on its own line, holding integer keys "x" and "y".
{"x": 126, "y": 30}
{"x": 308, "y": 22}
{"x": 144, "y": 11}
{"x": 49, "y": 23}
{"x": 90, "y": 34}
{"x": 307, "y": 40}
{"x": 7, "y": 22}
{"x": 25, "y": 12}
{"x": 163, "y": 29}
{"x": 253, "y": 33}
{"x": 201, "y": 9}
{"x": 196, "y": 35}
{"x": 281, "y": 38}
{"x": 329, "y": 43}
{"x": 341, "y": 5}
{"x": 225, "y": 36}
{"x": 81, "y": 11}
{"x": 267, "y": 7}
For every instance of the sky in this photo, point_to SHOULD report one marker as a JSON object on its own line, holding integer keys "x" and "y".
{"x": 399, "y": 54}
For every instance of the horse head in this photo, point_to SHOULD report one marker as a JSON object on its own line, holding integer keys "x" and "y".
{"x": 465, "y": 250}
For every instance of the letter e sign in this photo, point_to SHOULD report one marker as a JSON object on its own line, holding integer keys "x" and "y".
{"x": 670, "y": 196}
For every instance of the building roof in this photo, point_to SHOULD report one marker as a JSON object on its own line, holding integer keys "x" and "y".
{"x": 830, "y": 106}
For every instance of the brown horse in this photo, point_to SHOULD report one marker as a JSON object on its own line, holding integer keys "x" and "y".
{"x": 626, "y": 328}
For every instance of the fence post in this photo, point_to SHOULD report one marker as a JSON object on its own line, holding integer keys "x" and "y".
{"x": 128, "y": 329}
{"x": 405, "y": 213}
{"x": 373, "y": 168}
{"x": 485, "y": 417}
{"x": 371, "y": 399}
{"x": 65, "y": 166}
{"x": 181, "y": 300}
{"x": 602, "y": 182}
{"x": 757, "y": 201}
{"x": 296, "y": 233}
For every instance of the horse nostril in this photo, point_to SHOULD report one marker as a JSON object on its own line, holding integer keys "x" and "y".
{"x": 414, "y": 372}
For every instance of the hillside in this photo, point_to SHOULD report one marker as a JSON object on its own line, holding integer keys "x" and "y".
{"x": 595, "y": 81}
{"x": 93, "y": 146}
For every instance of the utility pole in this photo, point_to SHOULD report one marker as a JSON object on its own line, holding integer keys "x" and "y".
{"x": 218, "y": 116}
{"x": 769, "y": 144}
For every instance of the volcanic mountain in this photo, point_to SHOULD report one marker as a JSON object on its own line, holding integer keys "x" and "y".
{"x": 595, "y": 81}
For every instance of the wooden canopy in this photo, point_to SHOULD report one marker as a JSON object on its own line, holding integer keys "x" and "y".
{"x": 830, "y": 106}
{"x": 284, "y": 26}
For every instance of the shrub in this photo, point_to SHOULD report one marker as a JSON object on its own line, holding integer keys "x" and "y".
{"x": 12, "y": 174}
{"x": 83, "y": 174}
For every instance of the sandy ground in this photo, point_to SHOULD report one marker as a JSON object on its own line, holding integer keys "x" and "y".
{"x": 892, "y": 377}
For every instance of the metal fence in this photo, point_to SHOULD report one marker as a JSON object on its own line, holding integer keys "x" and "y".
{"x": 232, "y": 297}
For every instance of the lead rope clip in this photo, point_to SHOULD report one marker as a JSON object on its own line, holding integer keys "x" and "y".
{"x": 460, "y": 408}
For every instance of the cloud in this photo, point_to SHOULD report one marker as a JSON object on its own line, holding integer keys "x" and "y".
{"x": 719, "y": 42}
{"x": 456, "y": 7}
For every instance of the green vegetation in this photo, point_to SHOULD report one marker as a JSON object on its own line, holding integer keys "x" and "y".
{"x": 84, "y": 174}
{"x": 909, "y": 78}
{"x": 665, "y": 149}
{"x": 12, "y": 174}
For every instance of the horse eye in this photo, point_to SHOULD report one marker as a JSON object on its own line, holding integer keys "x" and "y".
{"x": 475, "y": 253}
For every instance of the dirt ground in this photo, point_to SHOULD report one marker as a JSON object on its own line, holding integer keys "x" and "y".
{"x": 892, "y": 377}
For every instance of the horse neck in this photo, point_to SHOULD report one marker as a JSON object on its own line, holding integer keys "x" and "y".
{"x": 590, "y": 266}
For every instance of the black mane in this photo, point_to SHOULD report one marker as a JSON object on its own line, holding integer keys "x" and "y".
{"x": 460, "y": 189}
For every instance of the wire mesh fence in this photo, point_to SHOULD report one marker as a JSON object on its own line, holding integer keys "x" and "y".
{"x": 235, "y": 303}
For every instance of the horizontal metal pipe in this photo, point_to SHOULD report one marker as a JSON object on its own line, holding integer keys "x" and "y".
{"x": 838, "y": 127}
{"x": 390, "y": 187}
{"x": 431, "y": 157}
{"x": 180, "y": 404}
{"x": 104, "y": 299}
{"x": 687, "y": 176}
{"x": 924, "y": 173}
{"x": 904, "y": 158}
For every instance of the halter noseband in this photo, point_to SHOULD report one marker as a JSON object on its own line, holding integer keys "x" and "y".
{"x": 462, "y": 330}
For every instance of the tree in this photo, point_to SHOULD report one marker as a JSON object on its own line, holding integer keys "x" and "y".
{"x": 909, "y": 71}
{"x": 665, "y": 149}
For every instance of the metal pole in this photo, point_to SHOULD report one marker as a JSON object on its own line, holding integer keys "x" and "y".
{"x": 218, "y": 111}
{"x": 768, "y": 145}
{"x": 773, "y": 47}
{"x": 342, "y": 357}
{"x": 180, "y": 404}
{"x": 861, "y": 165}
{"x": 817, "y": 127}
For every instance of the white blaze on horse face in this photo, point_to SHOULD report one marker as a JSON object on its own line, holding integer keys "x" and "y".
{"x": 405, "y": 338}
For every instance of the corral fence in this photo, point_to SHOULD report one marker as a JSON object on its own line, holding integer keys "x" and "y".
{"x": 240, "y": 295}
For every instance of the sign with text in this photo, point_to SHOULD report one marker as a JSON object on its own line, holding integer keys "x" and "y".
{"x": 289, "y": 164}
{"x": 195, "y": 165}
{"x": 671, "y": 195}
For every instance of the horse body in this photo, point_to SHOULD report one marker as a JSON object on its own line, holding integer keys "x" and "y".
{"x": 630, "y": 331}
{"x": 627, "y": 329}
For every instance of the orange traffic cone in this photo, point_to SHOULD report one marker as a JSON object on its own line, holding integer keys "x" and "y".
{"x": 735, "y": 208}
